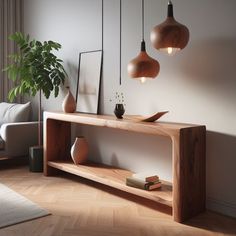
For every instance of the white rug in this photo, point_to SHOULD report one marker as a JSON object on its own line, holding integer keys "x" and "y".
{"x": 15, "y": 208}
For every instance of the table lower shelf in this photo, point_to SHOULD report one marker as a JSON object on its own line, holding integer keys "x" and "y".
{"x": 114, "y": 177}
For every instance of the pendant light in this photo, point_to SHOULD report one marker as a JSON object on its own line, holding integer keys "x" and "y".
{"x": 143, "y": 67}
{"x": 170, "y": 36}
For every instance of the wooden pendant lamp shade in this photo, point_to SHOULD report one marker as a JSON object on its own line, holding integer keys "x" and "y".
{"x": 170, "y": 36}
{"x": 143, "y": 67}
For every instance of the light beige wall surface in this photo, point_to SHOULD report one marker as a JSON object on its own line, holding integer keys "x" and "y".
{"x": 197, "y": 86}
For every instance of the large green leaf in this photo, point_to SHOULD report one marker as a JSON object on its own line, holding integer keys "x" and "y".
{"x": 35, "y": 67}
{"x": 11, "y": 95}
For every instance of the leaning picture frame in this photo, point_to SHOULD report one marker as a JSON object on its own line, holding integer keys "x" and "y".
{"x": 88, "y": 84}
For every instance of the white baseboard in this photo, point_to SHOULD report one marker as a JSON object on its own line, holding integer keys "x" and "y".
{"x": 222, "y": 207}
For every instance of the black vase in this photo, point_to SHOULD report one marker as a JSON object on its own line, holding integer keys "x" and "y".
{"x": 119, "y": 111}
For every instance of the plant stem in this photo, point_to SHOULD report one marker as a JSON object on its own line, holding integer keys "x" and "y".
{"x": 39, "y": 119}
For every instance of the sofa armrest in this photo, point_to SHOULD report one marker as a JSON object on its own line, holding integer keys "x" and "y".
{"x": 19, "y": 137}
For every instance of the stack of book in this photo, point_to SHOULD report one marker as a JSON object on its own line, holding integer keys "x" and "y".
{"x": 143, "y": 182}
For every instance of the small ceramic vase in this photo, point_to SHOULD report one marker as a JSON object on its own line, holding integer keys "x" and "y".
{"x": 119, "y": 110}
{"x": 69, "y": 104}
{"x": 79, "y": 150}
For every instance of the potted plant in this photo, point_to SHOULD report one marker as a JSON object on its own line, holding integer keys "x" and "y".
{"x": 119, "y": 106}
{"x": 35, "y": 69}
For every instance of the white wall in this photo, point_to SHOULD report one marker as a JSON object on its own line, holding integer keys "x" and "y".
{"x": 197, "y": 86}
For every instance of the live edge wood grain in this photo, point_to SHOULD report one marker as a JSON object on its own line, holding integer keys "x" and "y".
{"x": 189, "y": 173}
{"x": 188, "y": 158}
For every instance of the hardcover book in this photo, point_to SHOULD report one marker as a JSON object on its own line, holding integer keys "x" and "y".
{"x": 154, "y": 186}
{"x": 146, "y": 177}
{"x": 137, "y": 183}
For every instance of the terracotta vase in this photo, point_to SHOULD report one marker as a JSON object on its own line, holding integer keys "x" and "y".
{"x": 69, "y": 104}
{"x": 79, "y": 150}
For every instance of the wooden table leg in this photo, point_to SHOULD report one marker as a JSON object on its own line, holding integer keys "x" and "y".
{"x": 189, "y": 173}
{"x": 57, "y": 143}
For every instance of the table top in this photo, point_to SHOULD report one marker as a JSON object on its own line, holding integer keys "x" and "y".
{"x": 129, "y": 123}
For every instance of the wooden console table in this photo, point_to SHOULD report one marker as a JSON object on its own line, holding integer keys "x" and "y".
{"x": 186, "y": 194}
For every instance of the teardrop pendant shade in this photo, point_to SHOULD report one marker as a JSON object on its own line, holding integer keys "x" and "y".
{"x": 143, "y": 66}
{"x": 170, "y": 35}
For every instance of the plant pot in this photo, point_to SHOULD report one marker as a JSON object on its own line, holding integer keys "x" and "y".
{"x": 79, "y": 150}
{"x": 36, "y": 159}
{"x": 119, "y": 110}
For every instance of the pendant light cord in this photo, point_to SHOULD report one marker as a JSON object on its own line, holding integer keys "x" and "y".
{"x": 120, "y": 38}
{"x": 143, "y": 46}
{"x": 142, "y": 20}
{"x": 102, "y": 25}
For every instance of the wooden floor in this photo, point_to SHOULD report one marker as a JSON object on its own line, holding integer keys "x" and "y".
{"x": 85, "y": 208}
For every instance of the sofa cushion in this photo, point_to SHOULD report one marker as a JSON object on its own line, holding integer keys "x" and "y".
{"x": 12, "y": 112}
{"x": 1, "y": 143}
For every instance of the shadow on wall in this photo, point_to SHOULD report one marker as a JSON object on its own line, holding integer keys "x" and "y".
{"x": 210, "y": 64}
{"x": 73, "y": 78}
{"x": 207, "y": 60}
{"x": 220, "y": 169}
{"x": 130, "y": 150}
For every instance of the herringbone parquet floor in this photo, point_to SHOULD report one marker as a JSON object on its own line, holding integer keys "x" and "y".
{"x": 85, "y": 208}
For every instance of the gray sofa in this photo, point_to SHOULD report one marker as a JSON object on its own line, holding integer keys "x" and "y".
{"x": 17, "y": 134}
